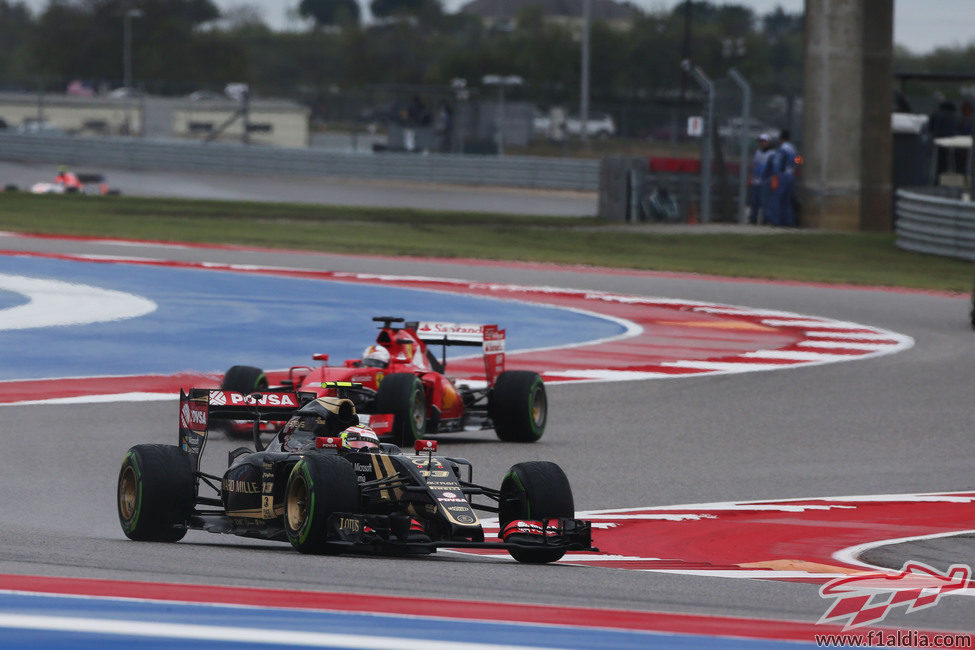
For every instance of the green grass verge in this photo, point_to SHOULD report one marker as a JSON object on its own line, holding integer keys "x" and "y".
{"x": 855, "y": 258}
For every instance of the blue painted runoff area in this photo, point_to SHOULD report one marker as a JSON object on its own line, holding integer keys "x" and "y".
{"x": 49, "y": 621}
{"x": 209, "y": 320}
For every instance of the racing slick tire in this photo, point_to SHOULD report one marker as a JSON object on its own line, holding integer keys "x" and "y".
{"x": 402, "y": 394}
{"x": 317, "y": 486}
{"x": 518, "y": 406}
{"x": 244, "y": 379}
{"x": 240, "y": 379}
{"x": 536, "y": 490}
{"x": 156, "y": 493}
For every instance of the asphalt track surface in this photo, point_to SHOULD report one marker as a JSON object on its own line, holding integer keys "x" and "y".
{"x": 319, "y": 190}
{"x": 893, "y": 424}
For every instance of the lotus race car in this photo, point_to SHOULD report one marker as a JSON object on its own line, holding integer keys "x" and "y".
{"x": 327, "y": 489}
{"x": 410, "y": 395}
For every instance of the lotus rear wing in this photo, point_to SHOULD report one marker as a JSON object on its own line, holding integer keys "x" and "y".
{"x": 199, "y": 405}
{"x": 488, "y": 337}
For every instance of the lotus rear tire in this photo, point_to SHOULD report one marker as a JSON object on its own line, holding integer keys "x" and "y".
{"x": 518, "y": 406}
{"x": 317, "y": 486}
{"x": 536, "y": 490}
{"x": 156, "y": 493}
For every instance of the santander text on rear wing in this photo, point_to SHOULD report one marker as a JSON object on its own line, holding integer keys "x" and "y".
{"x": 489, "y": 337}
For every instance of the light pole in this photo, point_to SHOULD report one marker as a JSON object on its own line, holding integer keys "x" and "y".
{"x": 127, "y": 45}
{"x": 743, "y": 137}
{"x": 584, "y": 73}
{"x": 707, "y": 86}
{"x": 501, "y": 83}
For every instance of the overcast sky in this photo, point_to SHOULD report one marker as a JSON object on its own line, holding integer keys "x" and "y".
{"x": 919, "y": 25}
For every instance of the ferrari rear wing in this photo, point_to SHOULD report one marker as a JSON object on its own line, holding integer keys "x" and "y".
{"x": 199, "y": 405}
{"x": 452, "y": 333}
{"x": 488, "y": 337}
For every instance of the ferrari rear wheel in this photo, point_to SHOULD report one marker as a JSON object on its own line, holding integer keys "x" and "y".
{"x": 518, "y": 406}
{"x": 317, "y": 486}
{"x": 156, "y": 493}
{"x": 536, "y": 491}
{"x": 402, "y": 394}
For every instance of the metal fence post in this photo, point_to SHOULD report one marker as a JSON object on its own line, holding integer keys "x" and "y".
{"x": 708, "y": 87}
{"x": 746, "y": 109}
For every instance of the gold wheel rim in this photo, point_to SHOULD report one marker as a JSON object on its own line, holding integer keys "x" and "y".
{"x": 296, "y": 510}
{"x": 128, "y": 493}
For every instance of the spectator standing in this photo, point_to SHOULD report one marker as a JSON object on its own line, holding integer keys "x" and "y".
{"x": 942, "y": 123}
{"x": 415, "y": 117}
{"x": 967, "y": 120}
{"x": 757, "y": 180}
{"x": 770, "y": 187}
{"x": 445, "y": 126}
{"x": 784, "y": 164}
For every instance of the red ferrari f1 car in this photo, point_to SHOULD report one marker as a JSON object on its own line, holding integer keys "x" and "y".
{"x": 405, "y": 392}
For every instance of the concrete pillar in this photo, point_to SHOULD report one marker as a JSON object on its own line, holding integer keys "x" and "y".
{"x": 847, "y": 95}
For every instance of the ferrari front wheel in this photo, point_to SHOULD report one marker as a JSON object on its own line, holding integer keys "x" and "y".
{"x": 244, "y": 379}
{"x": 402, "y": 394}
{"x": 317, "y": 486}
{"x": 156, "y": 493}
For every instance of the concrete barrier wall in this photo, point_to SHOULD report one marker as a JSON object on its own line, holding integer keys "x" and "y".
{"x": 137, "y": 153}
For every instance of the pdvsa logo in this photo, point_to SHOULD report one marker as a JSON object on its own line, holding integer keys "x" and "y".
{"x": 191, "y": 414}
{"x": 221, "y": 398}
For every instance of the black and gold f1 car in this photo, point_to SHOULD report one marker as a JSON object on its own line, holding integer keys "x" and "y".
{"x": 312, "y": 488}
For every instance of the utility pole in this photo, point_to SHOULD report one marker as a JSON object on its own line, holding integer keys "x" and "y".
{"x": 685, "y": 56}
{"x": 127, "y": 45}
{"x": 584, "y": 73}
{"x": 707, "y": 86}
{"x": 746, "y": 109}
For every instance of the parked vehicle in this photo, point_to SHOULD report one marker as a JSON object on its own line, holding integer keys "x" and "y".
{"x": 599, "y": 125}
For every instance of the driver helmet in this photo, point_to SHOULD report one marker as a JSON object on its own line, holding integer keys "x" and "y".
{"x": 360, "y": 438}
{"x": 375, "y": 356}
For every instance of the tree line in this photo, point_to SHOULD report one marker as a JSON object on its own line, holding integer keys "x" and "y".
{"x": 183, "y": 45}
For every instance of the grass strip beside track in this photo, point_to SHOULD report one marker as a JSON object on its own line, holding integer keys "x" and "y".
{"x": 853, "y": 258}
